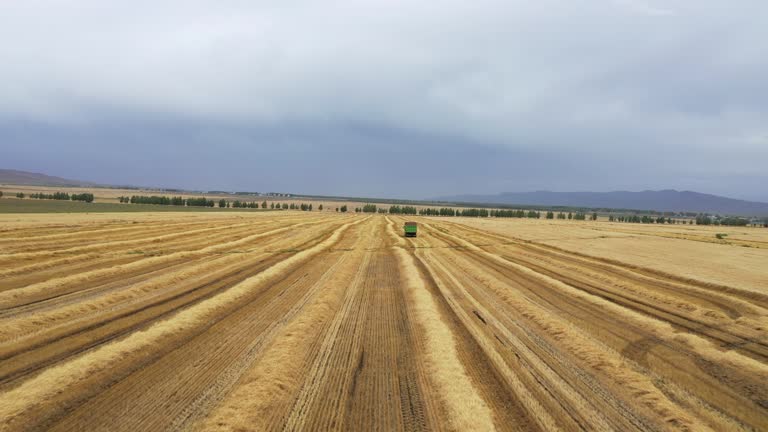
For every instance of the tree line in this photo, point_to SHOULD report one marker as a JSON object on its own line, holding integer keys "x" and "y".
{"x": 698, "y": 220}
{"x": 61, "y": 196}
{"x": 54, "y": 196}
{"x": 532, "y": 214}
{"x": 153, "y": 199}
{"x": 205, "y": 202}
{"x": 294, "y": 206}
{"x": 645, "y": 219}
{"x": 445, "y": 211}
{"x": 406, "y": 210}
{"x": 200, "y": 202}
{"x": 726, "y": 221}
{"x": 87, "y": 197}
{"x": 240, "y": 204}
{"x": 638, "y": 219}
{"x": 166, "y": 200}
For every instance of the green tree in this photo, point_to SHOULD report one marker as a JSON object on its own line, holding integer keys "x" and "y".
{"x": 550, "y": 215}
{"x": 320, "y": 207}
{"x": 20, "y": 195}
{"x": 264, "y": 204}
{"x": 570, "y": 215}
{"x": 195, "y": 202}
{"x": 87, "y": 197}
{"x": 222, "y": 203}
{"x": 344, "y": 208}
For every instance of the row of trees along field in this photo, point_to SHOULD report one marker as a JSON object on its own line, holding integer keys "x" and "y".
{"x": 62, "y": 196}
{"x": 699, "y": 220}
{"x": 406, "y": 210}
{"x": 469, "y": 212}
{"x": 644, "y": 219}
{"x": 242, "y": 204}
{"x": 726, "y": 221}
{"x": 204, "y": 202}
{"x": 158, "y": 200}
{"x": 473, "y": 212}
{"x": 264, "y": 205}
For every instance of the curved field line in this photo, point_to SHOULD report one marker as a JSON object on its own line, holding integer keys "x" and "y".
{"x": 110, "y": 251}
{"x": 54, "y": 380}
{"x": 623, "y": 267}
{"x": 659, "y": 328}
{"x": 699, "y": 348}
{"x": 743, "y": 334}
{"x": 10, "y": 297}
{"x": 95, "y": 324}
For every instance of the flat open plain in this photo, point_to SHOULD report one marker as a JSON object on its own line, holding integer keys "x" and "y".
{"x": 324, "y": 321}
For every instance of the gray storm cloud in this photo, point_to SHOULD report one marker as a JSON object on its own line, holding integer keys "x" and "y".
{"x": 677, "y": 86}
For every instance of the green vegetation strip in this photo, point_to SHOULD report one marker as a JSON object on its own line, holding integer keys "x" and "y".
{"x": 10, "y": 205}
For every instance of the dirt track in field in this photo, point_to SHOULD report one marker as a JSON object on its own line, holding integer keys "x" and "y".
{"x": 295, "y": 321}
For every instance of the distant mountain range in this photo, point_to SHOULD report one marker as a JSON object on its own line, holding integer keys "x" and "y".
{"x": 9, "y": 176}
{"x": 662, "y": 200}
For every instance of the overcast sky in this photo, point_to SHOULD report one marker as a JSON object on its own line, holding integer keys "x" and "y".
{"x": 389, "y": 98}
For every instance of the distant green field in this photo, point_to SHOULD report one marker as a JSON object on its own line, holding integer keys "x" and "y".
{"x": 13, "y": 205}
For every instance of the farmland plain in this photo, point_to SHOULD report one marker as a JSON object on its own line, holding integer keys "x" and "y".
{"x": 323, "y": 321}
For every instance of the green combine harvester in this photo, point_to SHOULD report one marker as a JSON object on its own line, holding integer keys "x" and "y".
{"x": 410, "y": 229}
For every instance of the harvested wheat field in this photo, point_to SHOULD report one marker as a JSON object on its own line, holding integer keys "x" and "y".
{"x": 322, "y": 321}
